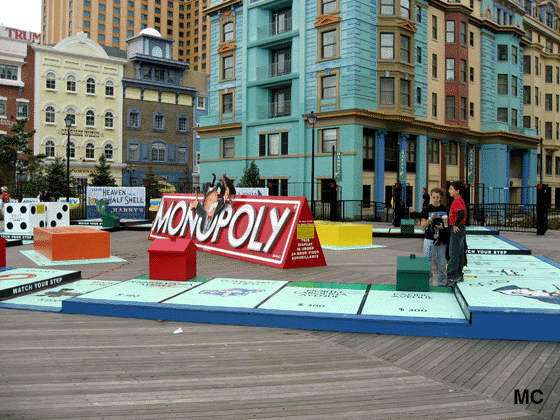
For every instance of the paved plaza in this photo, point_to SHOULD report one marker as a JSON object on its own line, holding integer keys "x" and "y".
{"x": 75, "y": 366}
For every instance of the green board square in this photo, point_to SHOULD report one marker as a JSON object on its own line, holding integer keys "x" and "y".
{"x": 412, "y": 304}
{"x": 19, "y": 277}
{"x": 489, "y": 242}
{"x": 231, "y": 293}
{"x": 143, "y": 290}
{"x": 52, "y": 298}
{"x": 484, "y": 262}
{"x": 321, "y": 297}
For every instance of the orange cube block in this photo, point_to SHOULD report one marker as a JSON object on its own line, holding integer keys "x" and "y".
{"x": 72, "y": 243}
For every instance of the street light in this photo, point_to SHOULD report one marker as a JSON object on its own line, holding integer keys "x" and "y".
{"x": 68, "y": 120}
{"x": 312, "y": 118}
{"x": 542, "y": 161}
{"x": 130, "y": 170}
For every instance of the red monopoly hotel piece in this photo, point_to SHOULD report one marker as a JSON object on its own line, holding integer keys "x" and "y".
{"x": 274, "y": 231}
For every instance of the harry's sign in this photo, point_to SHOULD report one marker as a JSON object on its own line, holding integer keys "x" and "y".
{"x": 276, "y": 231}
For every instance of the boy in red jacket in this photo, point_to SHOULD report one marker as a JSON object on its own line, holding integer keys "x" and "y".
{"x": 457, "y": 219}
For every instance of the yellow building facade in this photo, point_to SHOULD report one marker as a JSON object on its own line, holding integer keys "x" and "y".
{"x": 77, "y": 77}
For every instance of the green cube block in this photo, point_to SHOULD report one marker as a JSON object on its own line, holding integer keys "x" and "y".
{"x": 413, "y": 274}
{"x": 407, "y": 226}
{"x": 111, "y": 221}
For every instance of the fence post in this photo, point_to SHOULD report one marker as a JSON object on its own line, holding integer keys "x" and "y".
{"x": 542, "y": 206}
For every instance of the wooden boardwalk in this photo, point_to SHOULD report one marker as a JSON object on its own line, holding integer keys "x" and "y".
{"x": 59, "y": 366}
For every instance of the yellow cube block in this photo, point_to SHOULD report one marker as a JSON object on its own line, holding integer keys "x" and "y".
{"x": 343, "y": 234}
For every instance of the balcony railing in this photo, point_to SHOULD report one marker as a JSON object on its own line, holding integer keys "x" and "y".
{"x": 275, "y": 110}
{"x": 278, "y": 27}
{"x": 275, "y": 69}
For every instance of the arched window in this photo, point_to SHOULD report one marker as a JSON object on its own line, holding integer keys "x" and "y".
{"x": 49, "y": 148}
{"x": 72, "y": 150}
{"x": 90, "y": 118}
{"x": 71, "y": 84}
{"x": 90, "y": 151}
{"x": 72, "y": 113}
{"x": 109, "y": 152}
{"x": 51, "y": 81}
{"x": 108, "y": 119}
{"x": 50, "y": 115}
{"x": 158, "y": 152}
{"x": 90, "y": 85}
{"x": 109, "y": 88}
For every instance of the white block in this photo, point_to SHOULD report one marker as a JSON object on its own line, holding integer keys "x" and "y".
{"x": 58, "y": 214}
{"x": 21, "y": 218}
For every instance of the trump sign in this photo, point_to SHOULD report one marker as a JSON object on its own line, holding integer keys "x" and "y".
{"x": 274, "y": 231}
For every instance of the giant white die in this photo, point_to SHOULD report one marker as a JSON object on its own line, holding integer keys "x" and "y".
{"x": 58, "y": 214}
{"x": 21, "y": 218}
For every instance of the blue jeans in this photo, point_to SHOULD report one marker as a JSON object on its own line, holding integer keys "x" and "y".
{"x": 456, "y": 254}
{"x": 436, "y": 255}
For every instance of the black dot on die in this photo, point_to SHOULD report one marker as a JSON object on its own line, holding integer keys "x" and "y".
{"x": 33, "y": 210}
{"x": 9, "y": 209}
{"x": 59, "y": 216}
{"x": 41, "y": 224}
{"x": 23, "y": 226}
{"x": 23, "y": 209}
{"x": 10, "y": 225}
{"x": 53, "y": 223}
{"x": 65, "y": 207}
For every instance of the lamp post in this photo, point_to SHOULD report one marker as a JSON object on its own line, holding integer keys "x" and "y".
{"x": 542, "y": 161}
{"x": 312, "y": 118}
{"x": 68, "y": 120}
{"x": 130, "y": 170}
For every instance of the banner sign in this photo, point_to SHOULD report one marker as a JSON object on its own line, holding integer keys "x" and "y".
{"x": 274, "y": 231}
{"x": 470, "y": 164}
{"x": 252, "y": 191}
{"x": 124, "y": 202}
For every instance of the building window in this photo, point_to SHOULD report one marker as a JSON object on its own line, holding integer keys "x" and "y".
{"x": 526, "y": 64}
{"x": 548, "y": 74}
{"x": 110, "y": 89}
{"x": 450, "y": 69}
{"x": 281, "y": 102}
{"x": 228, "y": 34}
{"x": 90, "y": 118}
{"x": 200, "y": 102}
{"x": 502, "y": 53}
{"x": 502, "y": 84}
{"x": 514, "y": 54}
{"x": 548, "y": 130}
{"x": 434, "y": 66}
{"x": 433, "y": 151}
{"x": 452, "y": 153}
{"x": 72, "y": 150}
{"x": 405, "y": 93}
{"x": 51, "y": 81}
{"x": 434, "y": 105}
{"x": 132, "y": 151}
{"x": 526, "y": 121}
{"x": 463, "y": 71}
{"x": 158, "y": 152}
{"x": 503, "y": 115}
{"x": 281, "y": 21}
{"x": 281, "y": 62}
{"x": 182, "y": 123}
{"x": 90, "y": 86}
{"x": 71, "y": 112}
{"x": 227, "y": 67}
{"x": 22, "y": 110}
{"x": 434, "y": 27}
{"x": 514, "y": 117}
{"x": 90, "y": 151}
{"x": 527, "y": 95}
{"x": 450, "y": 107}
{"x": 227, "y": 103}
{"x": 50, "y": 115}
{"x": 49, "y": 148}
{"x": 3, "y": 108}
{"x": 328, "y": 44}
{"x": 405, "y": 49}
{"x": 405, "y": 9}
{"x": 471, "y": 39}
{"x": 387, "y": 96}
{"x": 228, "y": 148}
{"x": 387, "y": 7}
{"x": 463, "y": 108}
{"x": 387, "y": 46}
{"x": 273, "y": 144}
{"x": 133, "y": 119}
{"x": 471, "y": 109}
{"x": 471, "y": 75}
{"x": 329, "y": 139}
{"x": 328, "y": 87}
{"x": 418, "y": 95}
{"x": 548, "y": 164}
{"x": 463, "y": 33}
{"x": 182, "y": 154}
{"x": 109, "y": 119}
{"x": 109, "y": 152}
{"x": 159, "y": 121}
{"x": 419, "y": 55}
{"x": 328, "y": 6}
{"x": 71, "y": 84}
{"x": 450, "y": 31}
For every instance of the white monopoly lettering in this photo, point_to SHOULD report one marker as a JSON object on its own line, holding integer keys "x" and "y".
{"x": 250, "y": 212}
{"x": 254, "y": 245}
{"x": 190, "y": 220}
{"x": 160, "y": 221}
{"x": 173, "y": 230}
{"x": 277, "y": 227}
{"x": 223, "y": 220}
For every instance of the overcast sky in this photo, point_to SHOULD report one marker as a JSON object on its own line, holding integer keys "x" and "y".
{"x": 21, "y": 14}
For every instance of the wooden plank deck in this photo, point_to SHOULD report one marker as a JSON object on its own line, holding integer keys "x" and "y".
{"x": 60, "y": 366}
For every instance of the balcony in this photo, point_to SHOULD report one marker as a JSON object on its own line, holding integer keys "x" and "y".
{"x": 280, "y": 26}
{"x": 275, "y": 110}
{"x": 280, "y": 68}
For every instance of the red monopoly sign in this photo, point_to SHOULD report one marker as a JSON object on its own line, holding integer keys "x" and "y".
{"x": 274, "y": 231}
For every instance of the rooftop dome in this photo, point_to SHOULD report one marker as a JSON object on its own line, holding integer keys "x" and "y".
{"x": 150, "y": 31}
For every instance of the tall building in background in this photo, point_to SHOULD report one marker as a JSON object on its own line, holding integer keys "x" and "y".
{"x": 112, "y": 22}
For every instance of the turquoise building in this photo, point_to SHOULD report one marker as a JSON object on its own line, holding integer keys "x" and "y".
{"x": 403, "y": 91}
